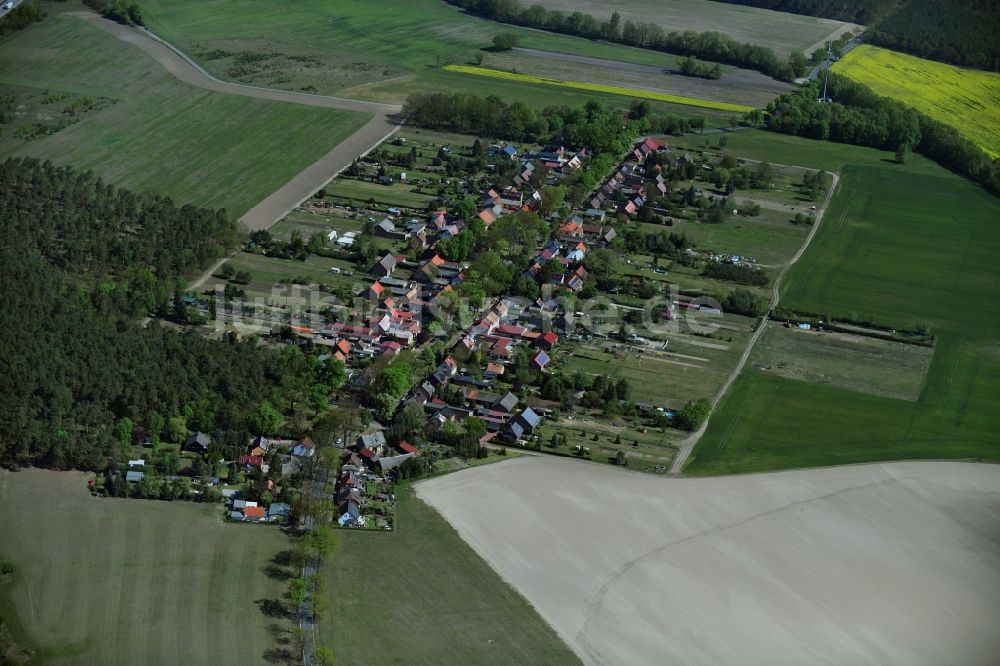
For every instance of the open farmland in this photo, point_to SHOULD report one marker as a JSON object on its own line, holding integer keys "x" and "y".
{"x": 905, "y": 250}
{"x": 624, "y": 91}
{"x": 419, "y": 595}
{"x": 119, "y": 581}
{"x": 856, "y": 362}
{"x": 736, "y": 86}
{"x": 197, "y": 146}
{"x": 377, "y": 50}
{"x": 966, "y": 99}
{"x": 877, "y": 564}
{"x": 780, "y": 31}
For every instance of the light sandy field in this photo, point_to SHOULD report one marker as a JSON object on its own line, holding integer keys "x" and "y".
{"x": 879, "y": 564}
{"x": 781, "y": 31}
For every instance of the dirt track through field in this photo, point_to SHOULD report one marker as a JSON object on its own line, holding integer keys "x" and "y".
{"x": 689, "y": 443}
{"x": 384, "y": 122}
{"x": 870, "y": 564}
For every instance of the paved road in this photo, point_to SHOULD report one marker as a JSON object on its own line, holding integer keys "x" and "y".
{"x": 4, "y": 12}
{"x": 689, "y": 443}
{"x": 384, "y": 122}
{"x": 818, "y": 69}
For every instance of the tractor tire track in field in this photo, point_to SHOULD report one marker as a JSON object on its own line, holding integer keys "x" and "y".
{"x": 687, "y": 446}
{"x": 385, "y": 121}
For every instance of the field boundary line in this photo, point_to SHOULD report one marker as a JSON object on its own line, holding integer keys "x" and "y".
{"x": 677, "y": 466}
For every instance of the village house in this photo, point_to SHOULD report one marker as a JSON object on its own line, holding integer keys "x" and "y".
{"x": 198, "y": 442}
{"x": 385, "y": 266}
{"x": 521, "y": 425}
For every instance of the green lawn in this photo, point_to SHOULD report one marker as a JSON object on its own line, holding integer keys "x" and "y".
{"x": 117, "y": 581}
{"x": 420, "y": 595}
{"x": 162, "y": 135}
{"x": 902, "y": 247}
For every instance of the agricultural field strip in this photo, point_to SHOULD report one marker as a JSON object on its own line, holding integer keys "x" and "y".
{"x": 781, "y": 31}
{"x": 302, "y": 186}
{"x": 116, "y": 581}
{"x": 966, "y": 99}
{"x": 595, "y": 87}
{"x": 681, "y": 562}
{"x": 736, "y": 86}
{"x": 912, "y": 236}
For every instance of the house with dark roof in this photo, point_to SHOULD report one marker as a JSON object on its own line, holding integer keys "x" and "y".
{"x": 278, "y": 512}
{"x": 197, "y": 442}
{"x": 385, "y": 266}
{"x": 521, "y": 425}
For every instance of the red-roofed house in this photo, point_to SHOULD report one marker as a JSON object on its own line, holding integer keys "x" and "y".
{"x": 547, "y": 340}
{"x": 342, "y": 350}
{"x": 254, "y": 513}
{"x": 406, "y": 447}
{"x": 502, "y": 348}
{"x": 375, "y": 291}
{"x": 390, "y": 347}
{"x": 487, "y": 216}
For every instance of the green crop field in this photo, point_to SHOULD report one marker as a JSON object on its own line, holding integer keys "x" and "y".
{"x": 902, "y": 247}
{"x": 162, "y": 135}
{"x": 373, "y": 49}
{"x": 420, "y": 595}
{"x": 117, "y": 581}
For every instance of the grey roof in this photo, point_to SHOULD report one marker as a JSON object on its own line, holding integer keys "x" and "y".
{"x": 530, "y": 417}
{"x": 199, "y": 438}
{"x": 279, "y": 509}
{"x": 388, "y": 261}
{"x": 391, "y": 462}
{"x": 507, "y": 403}
{"x": 134, "y": 476}
{"x": 372, "y": 439}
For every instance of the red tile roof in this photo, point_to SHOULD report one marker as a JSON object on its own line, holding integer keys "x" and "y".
{"x": 254, "y": 512}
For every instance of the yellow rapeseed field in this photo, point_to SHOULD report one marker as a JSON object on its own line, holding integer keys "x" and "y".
{"x": 966, "y": 99}
{"x": 597, "y": 87}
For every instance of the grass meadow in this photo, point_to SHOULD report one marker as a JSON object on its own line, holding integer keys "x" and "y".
{"x": 119, "y": 581}
{"x": 420, "y": 595}
{"x": 966, "y": 99}
{"x": 903, "y": 248}
{"x": 161, "y": 135}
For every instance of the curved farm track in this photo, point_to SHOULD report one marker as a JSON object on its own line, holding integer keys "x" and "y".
{"x": 384, "y": 122}
{"x": 687, "y": 446}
